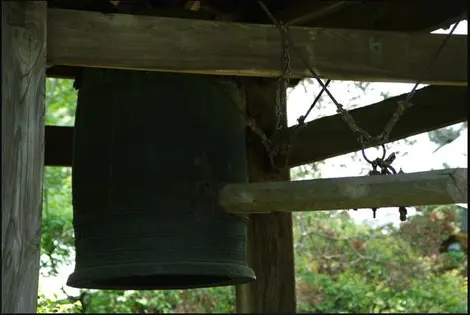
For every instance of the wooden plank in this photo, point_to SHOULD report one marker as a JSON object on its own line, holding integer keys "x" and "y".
{"x": 434, "y": 107}
{"x": 23, "y": 89}
{"x": 92, "y": 39}
{"x": 446, "y": 186}
{"x": 62, "y": 72}
{"x": 392, "y": 15}
{"x": 270, "y": 239}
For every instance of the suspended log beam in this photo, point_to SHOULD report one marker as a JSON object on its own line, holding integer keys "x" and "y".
{"x": 446, "y": 186}
{"x": 91, "y": 39}
{"x": 434, "y": 107}
{"x": 23, "y": 88}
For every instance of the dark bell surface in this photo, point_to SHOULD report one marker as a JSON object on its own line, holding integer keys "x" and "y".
{"x": 150, "y": 152}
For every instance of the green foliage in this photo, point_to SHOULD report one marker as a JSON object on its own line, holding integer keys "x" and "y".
{"x": 61, "y": 101}
{"x": 57, "y": 236}
{"x": 46, "y": 305}
{"x": 344, "y": 268}
{"x": 210, "y": 300}
{"x": 341, "y": 266}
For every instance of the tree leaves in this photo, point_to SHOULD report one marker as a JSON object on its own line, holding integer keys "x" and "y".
{"x": 341, "y": 266}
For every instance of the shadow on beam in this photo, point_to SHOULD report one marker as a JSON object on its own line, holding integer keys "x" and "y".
{"x": 434, "y": 107}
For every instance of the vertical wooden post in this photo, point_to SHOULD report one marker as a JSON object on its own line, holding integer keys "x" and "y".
{"x": 270, "y": 237}
{"x": 23, "y": 90}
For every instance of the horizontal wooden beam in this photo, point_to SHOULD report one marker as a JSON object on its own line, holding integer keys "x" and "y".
{"x": 424, "y": 188}
{"x": 58, "y": 146}
{"x": 434, "y": 107}
{"x": 62, "y": 72}
{"x": 93, "y": 39}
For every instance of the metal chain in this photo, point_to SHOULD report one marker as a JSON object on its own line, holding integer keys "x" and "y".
{"x": 364, "y": 137}
{"x": 279, "y": 143}
{"x": 301, "y": 119}
{"x": 345, "y": 115}
{"x": 283, "y": 82}
{"x": 249, "y": 121}
{"x": 281, "y": 140}
{"x": 406, "y": 103}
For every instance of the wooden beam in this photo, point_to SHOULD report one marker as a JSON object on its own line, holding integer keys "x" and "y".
{"x": 23, "y": 90}
{"x": 59, "y": 146}
{"x": 62, "y": 72}
{"x": 270, "y": 239}
{"x": 446, "y": 186}
{"x": 92, "y": 39}
{"x": 362, "y": 15}
{"x": 434, "y": 107}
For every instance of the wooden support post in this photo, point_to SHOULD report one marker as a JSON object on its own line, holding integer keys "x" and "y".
{"x": 23, "y": 90}
{"x": 445, "y": 186}
{"x": 270, "y": 237}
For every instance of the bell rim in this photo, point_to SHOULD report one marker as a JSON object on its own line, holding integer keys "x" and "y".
{"x": 235, "y": 273}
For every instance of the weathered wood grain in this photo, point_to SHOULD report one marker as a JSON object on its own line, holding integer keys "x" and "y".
{"x": 434, "y": 107}
{"x": 92, "y": 39}
{"x": 23, "y": 89}
{"x": 270, "y": 238}
{"x": 446, "y": 186}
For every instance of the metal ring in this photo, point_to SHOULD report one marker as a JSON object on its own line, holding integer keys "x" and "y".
{"x": 392, "y": 169}
{"x": 383, "y": 155}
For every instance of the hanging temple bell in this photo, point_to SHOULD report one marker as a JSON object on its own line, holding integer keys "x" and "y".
{"x": 150, "y": 152}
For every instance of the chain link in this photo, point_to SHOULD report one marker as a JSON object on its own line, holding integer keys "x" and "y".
{"x": 403, "y": 105}
{"x": 281, "y": 142}
{"x": 344, "y": 114}
{"x": 283, "y": 82}
{"x": 364, "y": 138}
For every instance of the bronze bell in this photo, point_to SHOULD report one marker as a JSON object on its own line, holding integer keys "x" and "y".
{"x": 150, "y": 153}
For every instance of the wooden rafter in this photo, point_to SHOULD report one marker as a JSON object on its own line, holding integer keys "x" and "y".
{"x": 424, "y": 188}
{"x": 91, "y": 39}
{"x": 412, "y": 16}
{"x": 309, "y": 11}
{"x": 434, "y": 107}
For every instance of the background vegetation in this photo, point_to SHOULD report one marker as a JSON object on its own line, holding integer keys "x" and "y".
{"x": 341, "y": 266}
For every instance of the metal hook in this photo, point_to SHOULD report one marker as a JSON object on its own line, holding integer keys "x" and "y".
{"x": 381, "y": 159}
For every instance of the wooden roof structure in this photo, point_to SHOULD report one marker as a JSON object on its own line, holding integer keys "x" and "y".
{"x": 344, "y": 40}
{"x": 211, "y": 38}
{"x": 414, "y": 15}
